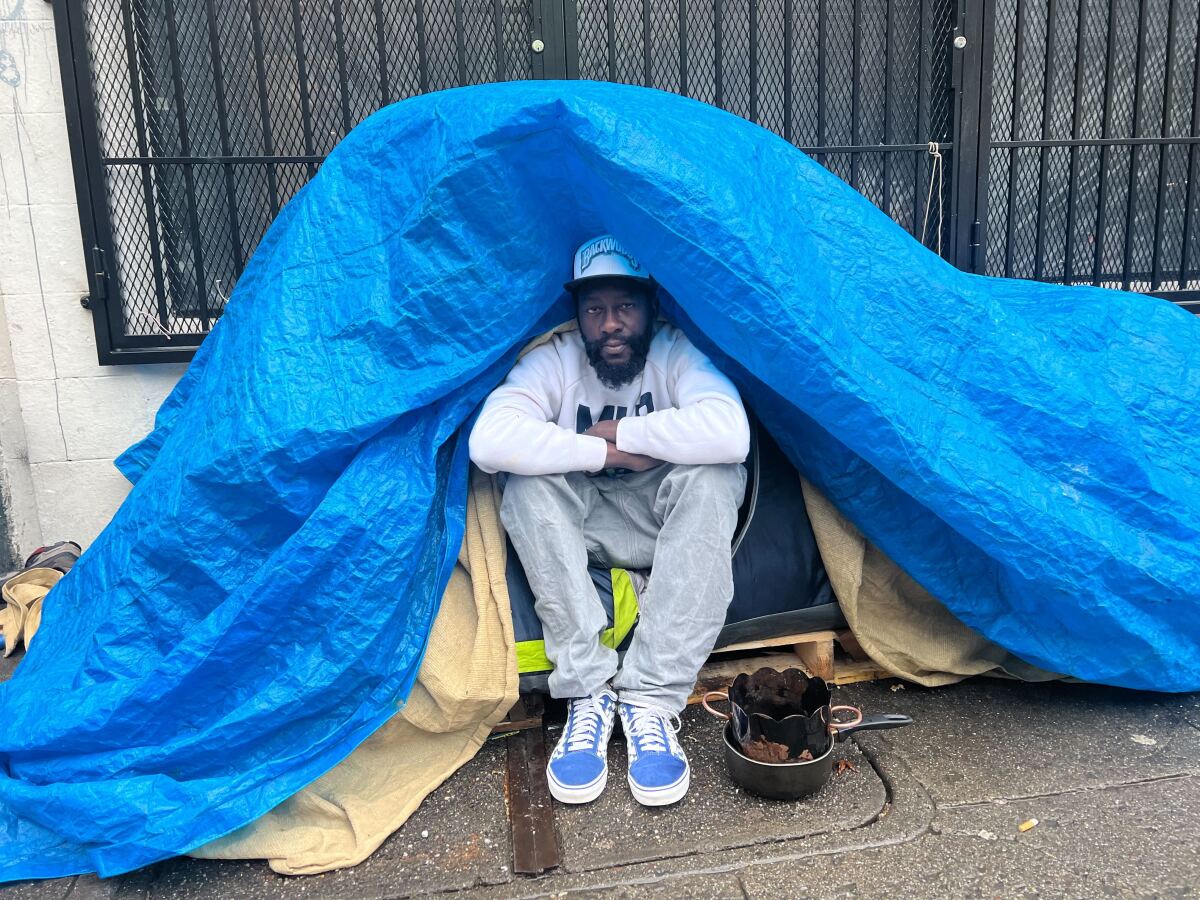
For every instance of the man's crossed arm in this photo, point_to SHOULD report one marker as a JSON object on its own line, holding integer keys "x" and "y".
{"x": 619, "y": 459}
{"x": 516, "y": 431}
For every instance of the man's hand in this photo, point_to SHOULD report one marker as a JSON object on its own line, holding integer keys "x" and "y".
{"x": 634, "y": 462}
{"x": 606, "y": 429}
{"x": 619, "y": 459}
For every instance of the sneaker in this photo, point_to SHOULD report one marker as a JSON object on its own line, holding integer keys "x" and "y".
{"x": 578, "y": 767}
{"x": 658, "y": 769}
{"x": 59, "y": 556}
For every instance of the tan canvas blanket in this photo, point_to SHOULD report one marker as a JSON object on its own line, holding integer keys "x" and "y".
{"x": 21, "y": 614}
{"x": 466, "y": 685}
{"x": 898, "y": 623}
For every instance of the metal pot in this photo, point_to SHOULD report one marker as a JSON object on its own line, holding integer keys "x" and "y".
{"x": 793, "y": 780}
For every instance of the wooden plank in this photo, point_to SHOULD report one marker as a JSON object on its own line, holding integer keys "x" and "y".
{"x": 530, "y": 806}
{"x": 787, "y": 640}
{"x": 850, "y": 671}
{"x": 816, "y": 658}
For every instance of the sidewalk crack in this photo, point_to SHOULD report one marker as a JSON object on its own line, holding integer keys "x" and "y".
{"x": 1084, "y": 789}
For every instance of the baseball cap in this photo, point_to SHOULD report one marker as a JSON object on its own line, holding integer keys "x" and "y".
{"x": 603, "y": 257}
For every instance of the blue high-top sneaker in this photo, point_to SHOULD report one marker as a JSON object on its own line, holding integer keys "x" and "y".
{"x": 578, "y": 767}
{"x": 658, "y": 769}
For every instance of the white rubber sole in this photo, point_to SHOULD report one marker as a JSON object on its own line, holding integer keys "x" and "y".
{"x": 663, "y": 796}
{"x": 576, "y": 794}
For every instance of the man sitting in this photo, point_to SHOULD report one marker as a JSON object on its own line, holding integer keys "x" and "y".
{"x": 624, "y": 446}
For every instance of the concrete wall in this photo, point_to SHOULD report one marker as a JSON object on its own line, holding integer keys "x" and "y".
{"x": 63, "y": 418}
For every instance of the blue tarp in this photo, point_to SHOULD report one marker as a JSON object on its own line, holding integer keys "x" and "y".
{"x": 260, "y": 602}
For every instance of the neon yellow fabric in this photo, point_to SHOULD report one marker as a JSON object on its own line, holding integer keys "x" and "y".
{"x": 625, "y": 607}
{"x": 531, "y": 655}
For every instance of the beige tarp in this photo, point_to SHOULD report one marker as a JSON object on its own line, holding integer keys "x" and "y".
{"x": 21, "y": 614}
{"x": 896, "y": 621}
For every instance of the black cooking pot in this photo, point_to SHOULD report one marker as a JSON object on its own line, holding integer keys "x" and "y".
{"x": 793, "y": 780}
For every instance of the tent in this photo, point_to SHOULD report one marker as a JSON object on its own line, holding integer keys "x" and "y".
{"x": 259, "y": 604}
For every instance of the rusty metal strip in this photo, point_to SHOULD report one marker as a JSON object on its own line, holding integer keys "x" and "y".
{"x": 525, "y": 713}
{"x": 530, "y": 807}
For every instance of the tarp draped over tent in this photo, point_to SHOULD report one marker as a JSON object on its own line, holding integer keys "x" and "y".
{"x": 260, "y": 602}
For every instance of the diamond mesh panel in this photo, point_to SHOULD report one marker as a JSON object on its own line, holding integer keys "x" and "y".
{"x": 1004, "y": 56}
{"x": 137, "y": 252}
{"x": 939, "y": 24}
{"x": 737, "y": 91}
{"x": 112, "y": 78}
{"x": 770, "y": 64}
{"x": 699, "y": 37}
{"x": 1083, "y": 71}
{"x": 180, "y": 86}
{"x": 1094, "y": 60}
{"x": 806, "y": 64}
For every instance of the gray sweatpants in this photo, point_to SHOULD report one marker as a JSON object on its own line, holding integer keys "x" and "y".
{"x": 676, "y": 520}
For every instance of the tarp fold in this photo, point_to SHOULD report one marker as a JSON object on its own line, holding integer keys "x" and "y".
{"x": 260, "y": 603}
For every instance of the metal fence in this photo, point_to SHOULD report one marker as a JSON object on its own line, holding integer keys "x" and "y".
{"x": 1090, "y": 160}
{"x": 194, "y": 121}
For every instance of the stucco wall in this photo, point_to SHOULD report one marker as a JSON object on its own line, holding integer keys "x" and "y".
{"x": 64, "y": 418}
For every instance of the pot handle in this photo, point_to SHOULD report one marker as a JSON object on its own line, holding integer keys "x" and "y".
{"x": 719, "y": 695}
{"x": 839, "y": 727}
{"x": 874, "y": 722}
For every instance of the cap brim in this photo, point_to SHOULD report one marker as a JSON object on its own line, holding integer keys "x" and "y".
{"x": 574, "y": 284}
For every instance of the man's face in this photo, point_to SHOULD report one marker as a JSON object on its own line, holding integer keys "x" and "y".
{"x": 614, "y": 320}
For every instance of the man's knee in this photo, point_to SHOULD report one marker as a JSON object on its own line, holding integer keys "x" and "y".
{"x": 542, "y": 499}
{"x": 723, "y": 484}
{"x": 717, "y": 479}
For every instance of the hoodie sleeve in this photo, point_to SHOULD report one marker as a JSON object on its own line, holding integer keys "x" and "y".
{"x": 707, "y": 426}
{"x": 516, "y": 431}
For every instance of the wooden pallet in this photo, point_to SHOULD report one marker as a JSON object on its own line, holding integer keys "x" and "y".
{"x": 526, "y": 713}
{"x": 814, "y": 652}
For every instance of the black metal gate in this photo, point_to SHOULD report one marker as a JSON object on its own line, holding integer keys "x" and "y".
{"x": 193, "y": 121}
{"x": 1087, "y": 164}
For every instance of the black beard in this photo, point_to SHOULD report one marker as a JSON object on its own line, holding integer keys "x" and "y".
{"x": 615, "y": 376}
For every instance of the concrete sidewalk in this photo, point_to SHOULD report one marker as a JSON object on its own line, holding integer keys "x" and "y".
{"x": 928, "y": 811}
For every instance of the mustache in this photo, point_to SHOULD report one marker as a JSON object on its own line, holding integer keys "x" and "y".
{"x": 615, "y": 375}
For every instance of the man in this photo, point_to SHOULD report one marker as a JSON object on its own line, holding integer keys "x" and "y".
{"x": 624, "y": 446}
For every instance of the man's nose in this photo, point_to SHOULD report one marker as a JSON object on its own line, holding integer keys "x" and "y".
{"x": 612, "y": 324}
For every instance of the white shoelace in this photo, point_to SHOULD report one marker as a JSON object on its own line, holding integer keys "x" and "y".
{"x": 586, "y": 716}
{"x": 653, "y": 730}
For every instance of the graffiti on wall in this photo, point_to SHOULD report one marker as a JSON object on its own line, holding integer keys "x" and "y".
{"x": 10, "y": 11}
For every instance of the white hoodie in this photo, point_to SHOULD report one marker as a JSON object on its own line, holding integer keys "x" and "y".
{"x": 680, "y": 409}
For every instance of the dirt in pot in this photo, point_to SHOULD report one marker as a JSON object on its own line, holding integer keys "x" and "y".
{"x": 762, "y": 750}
